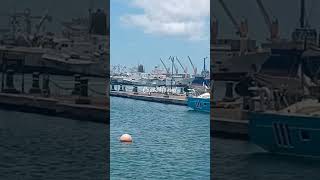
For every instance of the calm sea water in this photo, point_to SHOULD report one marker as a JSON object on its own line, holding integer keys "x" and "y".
{"x": 238, "y": 160}
{"x": 169, "y": 141}
{"x": 41, "y": 147}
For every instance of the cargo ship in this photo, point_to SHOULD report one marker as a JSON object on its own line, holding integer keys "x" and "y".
{"x": 81, "y": 48}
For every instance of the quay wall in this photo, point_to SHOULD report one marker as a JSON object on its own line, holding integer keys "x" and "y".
{"x": 229, "y": 128}
{"x": 177, "y": 100}
{"x": 53, "y": 107}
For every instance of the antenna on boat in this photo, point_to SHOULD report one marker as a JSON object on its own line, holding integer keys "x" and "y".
{"x": 302, "y": 13}
{"x": 301, "y": 64}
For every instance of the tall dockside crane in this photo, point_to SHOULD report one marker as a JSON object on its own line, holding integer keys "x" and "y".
{"x": 164, "y": 65}
{"x": 174, "y": 65}
{"x": 273, "y": 26}
{"x": 44, "y": 18}
{"x": 194, "y": 68}
{"x": 183, "y": 68}
{"x": 241, "y": 29}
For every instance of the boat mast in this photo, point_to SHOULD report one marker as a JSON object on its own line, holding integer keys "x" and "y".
{"x": 171, "y": 71}
{"x": 302, "y": 13}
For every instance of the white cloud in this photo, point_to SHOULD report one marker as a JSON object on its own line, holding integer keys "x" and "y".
{"x": 185, "y": 18}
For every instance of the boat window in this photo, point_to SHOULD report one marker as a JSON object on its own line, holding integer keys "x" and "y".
{"x": 305, "y": 135}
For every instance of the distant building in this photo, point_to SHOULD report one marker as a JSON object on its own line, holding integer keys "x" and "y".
{"x": 141, "y": 68}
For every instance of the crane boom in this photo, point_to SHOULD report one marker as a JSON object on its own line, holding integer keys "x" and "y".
{"x": 228, "y": 12}
{"x": 273, "y": 26}
{"x": 164, "y": 65}
{"x": 194, "y": 69}
{"x": 264, "y": 14}
{"x": 42, "y": 20}
{"x": 174, "y": 65}
{"x": 184, "y": 69}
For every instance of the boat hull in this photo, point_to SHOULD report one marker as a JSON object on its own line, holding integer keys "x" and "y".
{"x": 199, "y": 104}
{"x": 285, "y": 134}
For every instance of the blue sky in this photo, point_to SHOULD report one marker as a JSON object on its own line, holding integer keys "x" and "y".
{"x": 143, "y": 31}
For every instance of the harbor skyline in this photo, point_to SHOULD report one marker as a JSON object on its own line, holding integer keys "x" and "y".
{"x": 136, "y": 35}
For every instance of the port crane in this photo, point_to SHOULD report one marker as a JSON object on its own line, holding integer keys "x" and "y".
{"x": 242, "y": 28}
{"x": 174, "y": 65}
{"x": 204, "y": 72}
{"x": 21, "y": 25}
{"x": 183, "y": 68}
{"x": 273, "y": 25}
{"x": 194, "y": 68}
{"x": 165, "y": 67}
{"x": 43, "y": 19}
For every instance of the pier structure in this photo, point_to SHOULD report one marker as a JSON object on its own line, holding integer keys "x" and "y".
{"x": 134, "y": 93}
{"x": 64, "y": 96}
{"x": 228, "y": 120}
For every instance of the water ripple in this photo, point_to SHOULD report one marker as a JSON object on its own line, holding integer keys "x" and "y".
{"x": 169, "y": 141}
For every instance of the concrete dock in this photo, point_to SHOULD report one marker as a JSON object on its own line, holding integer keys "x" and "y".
{"x": 228, "y": 128}
{"x": 154, "y": 97}
{"x": 229, "y": 122}
{"x": 96, "y": 111}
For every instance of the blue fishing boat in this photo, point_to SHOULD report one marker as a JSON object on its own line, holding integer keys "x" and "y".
{"x": 200, "y": 103}
{"x": 296, "y": 132}
{"x": 288, "y": 120}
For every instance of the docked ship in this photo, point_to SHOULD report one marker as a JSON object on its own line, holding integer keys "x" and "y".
{"x": 138, "y": 77}
{"x": 200, "y": 102}
{"x": 203, "y": 79}
{"x": 285, "y": 117}
{"x": 233, "y": 59}
{"x": 81, "y": 48}
{"x": 157, "y": 77}
{"x": 285, "y": 113}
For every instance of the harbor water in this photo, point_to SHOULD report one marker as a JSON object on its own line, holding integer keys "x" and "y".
{"x": 169, "y": 141}
{"x": 237, "y": 160}
{"x": 42, "y": 147}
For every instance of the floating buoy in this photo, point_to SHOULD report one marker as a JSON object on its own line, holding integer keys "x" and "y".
{"x": 126, "y": 138}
